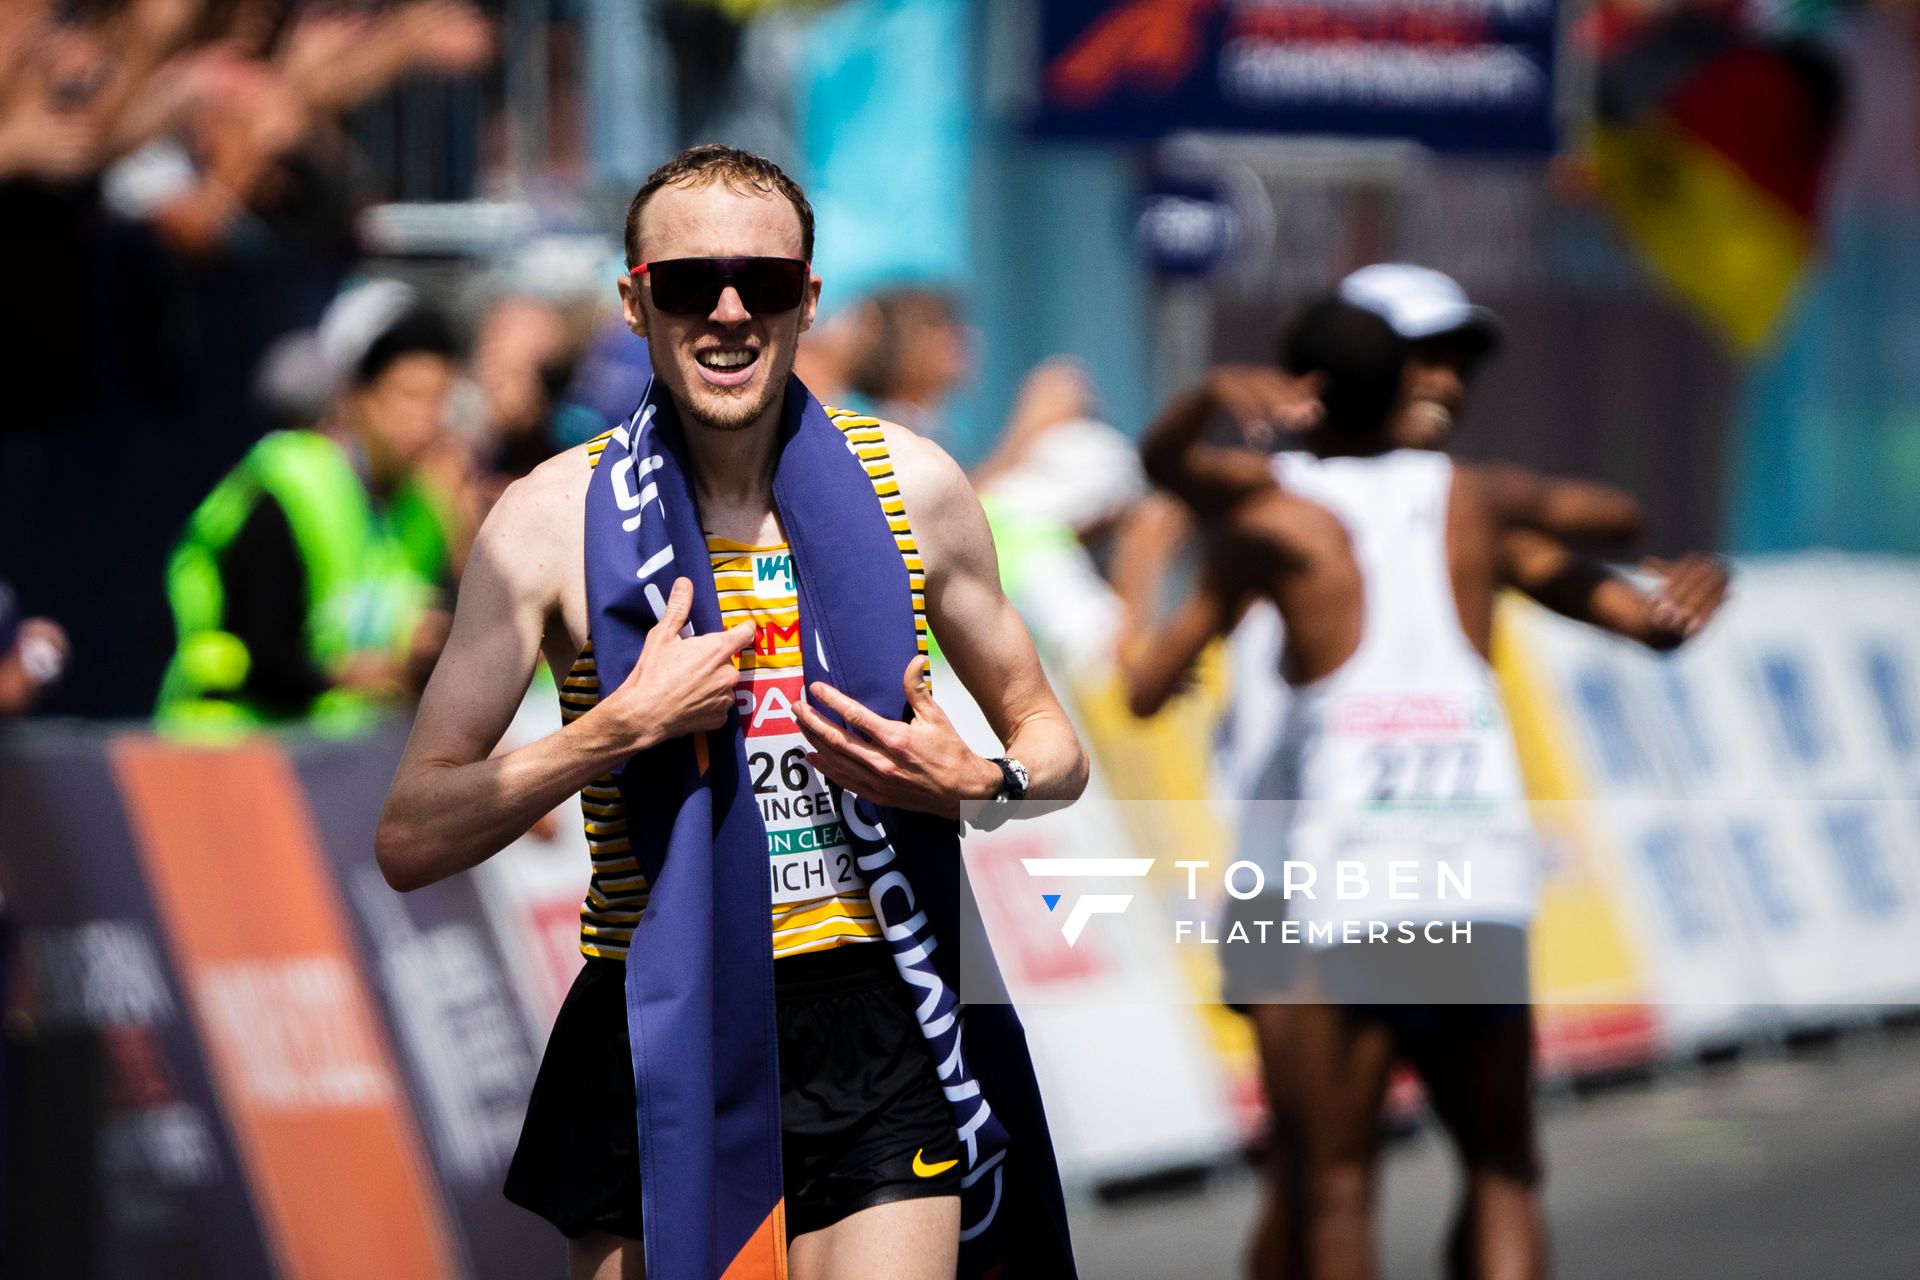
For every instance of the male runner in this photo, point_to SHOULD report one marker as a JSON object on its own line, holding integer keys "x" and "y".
{"x": 1449, "y": 339}
{"x": 1384, "y": 563}
{"x": 719, "y": 241}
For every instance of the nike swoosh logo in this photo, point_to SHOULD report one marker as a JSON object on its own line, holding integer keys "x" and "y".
{"x": 921, "y": 1169}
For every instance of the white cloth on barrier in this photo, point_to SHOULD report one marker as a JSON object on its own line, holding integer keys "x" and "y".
{"x": 1758, "y": 794}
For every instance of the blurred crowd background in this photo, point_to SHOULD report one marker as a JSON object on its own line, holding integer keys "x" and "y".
{"x": 395, "y": 225}
{"x": 1698, "y": 227}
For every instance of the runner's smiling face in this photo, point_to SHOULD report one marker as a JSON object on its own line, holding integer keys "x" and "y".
{"x": 726, "y": 369}
{"x": 1434, "y": 383}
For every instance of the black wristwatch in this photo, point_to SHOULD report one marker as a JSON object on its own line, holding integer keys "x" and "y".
{"x": 1013, "y": 780}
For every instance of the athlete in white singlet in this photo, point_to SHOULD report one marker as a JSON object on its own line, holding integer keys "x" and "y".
{"x": 1449, "y": 340}
{"x": 1384, "y": 565}
{"x": 1402, "y": 755}
{"x": 1395, "y": 563}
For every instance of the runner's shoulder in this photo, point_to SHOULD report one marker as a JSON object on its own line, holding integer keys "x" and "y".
{"x": 556, "y": 487}
{"x": 903, "y": 445}
{"x": 534, "y": 532}
{"x": 1275, "y": 522}
{"x": 929, "y": 477}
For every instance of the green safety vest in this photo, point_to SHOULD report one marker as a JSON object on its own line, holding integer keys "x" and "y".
{"x": 370, "y": 575}
{"x": 1024, "y": 543}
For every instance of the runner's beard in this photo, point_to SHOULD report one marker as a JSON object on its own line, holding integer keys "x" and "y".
{"x": 719, "y": 412}
{"x": 737, "y": 408}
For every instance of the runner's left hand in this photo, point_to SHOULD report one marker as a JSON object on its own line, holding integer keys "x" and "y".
{"x": 919, "y": 764}
{"x": 1690, "y": 591}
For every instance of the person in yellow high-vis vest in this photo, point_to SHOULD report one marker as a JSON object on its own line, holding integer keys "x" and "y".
{"x": 307, "y": 585}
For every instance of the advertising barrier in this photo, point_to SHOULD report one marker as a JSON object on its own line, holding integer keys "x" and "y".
{"x": 306, "y": 1074}
{"x": 94, "y": 960}
{"x": 265, "y": 1062}
{"x": 1754, "y": 795}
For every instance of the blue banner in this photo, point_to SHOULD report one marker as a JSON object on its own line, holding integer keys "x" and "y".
{"x": 1457, "y": 75}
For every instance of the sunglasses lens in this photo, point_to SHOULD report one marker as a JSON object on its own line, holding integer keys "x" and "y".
{"x": 692, "y": 286}
{"x": 685, "y": 286}
{"x": 769, "y": 285}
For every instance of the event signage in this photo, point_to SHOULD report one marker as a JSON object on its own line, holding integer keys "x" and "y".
{"x": 1457, "y": 75}
{"x": 437, "y": 969}
{"x": 168, "y": 1188}
{"x": 1186, "y": 227}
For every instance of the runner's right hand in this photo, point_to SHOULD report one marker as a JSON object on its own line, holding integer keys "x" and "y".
{"x": 1266, "y": 402}
{"x": 681, "y": 684}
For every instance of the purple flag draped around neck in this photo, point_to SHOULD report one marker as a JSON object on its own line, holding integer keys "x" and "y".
{"x": 700, "y": 1002}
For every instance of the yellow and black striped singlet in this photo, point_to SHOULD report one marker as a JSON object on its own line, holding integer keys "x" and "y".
{"x": 819, "y": 901}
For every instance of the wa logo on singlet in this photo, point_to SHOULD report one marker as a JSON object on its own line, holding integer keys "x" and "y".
{"x": 1087, "y": 905}
{"x": 773, "y": 575}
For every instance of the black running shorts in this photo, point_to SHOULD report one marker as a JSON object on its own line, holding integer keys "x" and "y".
{"x": 863, "y": 1120}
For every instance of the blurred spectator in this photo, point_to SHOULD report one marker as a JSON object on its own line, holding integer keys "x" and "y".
{"x": 523, "y": 359}
{"x": 917, "y": 356}
{"x": 1056, "y": 458}
{"x": 33, "y": 654}
{"x": 1054, "y": 391}
{"x": 1058, "y": 488}
{"x": 836, "y": 347}
{"x": 612, "y": 375}
{"x": 550, "y": 330}
{"x": 307, "y": 584}
{"x": 177, "y": 191}
{"x": 254, "y": 143}
{"x": 67, "y": 90}
{"x": 245, "y": 172}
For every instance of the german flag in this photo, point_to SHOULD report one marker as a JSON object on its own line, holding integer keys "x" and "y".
{"x": 1711, "y": 147}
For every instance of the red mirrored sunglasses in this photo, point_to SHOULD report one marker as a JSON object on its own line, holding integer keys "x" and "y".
{"x": 692, "y": 286}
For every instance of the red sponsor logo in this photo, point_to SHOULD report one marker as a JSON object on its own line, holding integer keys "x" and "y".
{"x": 770, "y": 637}
{"x": 766, "y": 704}
{"x": 1147, "y": 45}
{"x": 1337, "y": 25}
{"x": 1387, "y": 714}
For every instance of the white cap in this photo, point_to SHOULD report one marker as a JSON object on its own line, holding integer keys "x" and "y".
{"x": 356, "y": 318}
{"x": 295, "y": 379}
{"x": 1418, "y": 302}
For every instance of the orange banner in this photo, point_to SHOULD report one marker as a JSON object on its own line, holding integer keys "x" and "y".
{"x": 285, "y": 1016}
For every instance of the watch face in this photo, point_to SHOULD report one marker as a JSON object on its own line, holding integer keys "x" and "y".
{"x": 1016, "y": 777}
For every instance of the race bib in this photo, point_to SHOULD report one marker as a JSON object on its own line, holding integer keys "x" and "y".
{"x": 808, "y": 853}
{"x": 1434, "y": 762}
{"x": 1412, "y": 808}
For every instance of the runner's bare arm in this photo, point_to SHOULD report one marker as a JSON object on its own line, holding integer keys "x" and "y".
{"x": 1211, "y": 478}
{"x": 1575, "y": 587}
{"x": 923, "y": 764}
{"x": 1687, "y": 595}
{"x": 1576, "y": 510}
{"x": 1157, "y": 662}
{"x": 1145, "y": 546}
{"x": 452, "y": 805}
